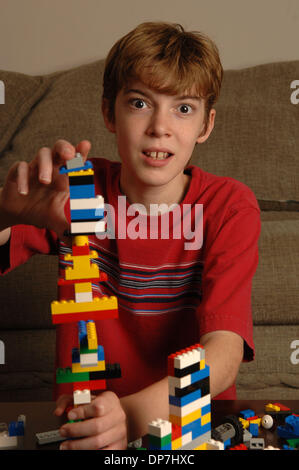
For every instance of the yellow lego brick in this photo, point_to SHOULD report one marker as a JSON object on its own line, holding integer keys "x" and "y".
{"x": 83, "y": 287}
{"x": 176, "y": 443}
{"x": 244, "y": 422}
{"x": 81, "y": 173}
{"x": 92, "y": 335}
{"x": 202, "y": 364}
{"x": 86, "y": 271}
{"x": 271, "y": 407}
{"x": 201, "y": 447}
{"x": 183, "y": 420}
{"x": 80, "y": 240}
{"x": 70, "y": 306}
{"x": 206, "y": 419}
{"x": 76, "y": 367}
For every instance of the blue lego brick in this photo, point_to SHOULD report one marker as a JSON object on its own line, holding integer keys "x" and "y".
{"x": 82, "y": 332}
{"x": 182, "y": 401}
{"x": 88, "y": 166}
{"x": 286, "y": 432}
{"x": 247, "y": 413}
{"x": 87, "y": 214}
{"x": 16, "y": 428}
{"x": 200, "y": 374}
{"x": 206, "y": 409}
{"x": 101, "y": 354}
{"x": 254, "y": 429}
{"x": 199, "y": 430}
{"x": 75, "y": 355}
{"x": 227, "y": 443}
{"x": 293, "y": 421}
{"x": 82, "y": 191}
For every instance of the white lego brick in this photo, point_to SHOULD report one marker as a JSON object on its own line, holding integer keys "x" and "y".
{"x": 87, "y": 203}
{"x": 81, "y": 397}
{"x": 8, "y": 442}
{"x": 214, "y": 445}
{"x": 83, "y": 297}
{"x": 178, "y": 382}
{"x": 187, "y": 359}
{"x": 160, "y": 428}
{"x": 186, "y": 438}
{"x": 97, "y": 226}
{"x": 89, "y": 359}
{"x": 48, "y": 437}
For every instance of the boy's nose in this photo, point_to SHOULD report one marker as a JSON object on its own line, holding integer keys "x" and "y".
{"x": 159, "y": 124}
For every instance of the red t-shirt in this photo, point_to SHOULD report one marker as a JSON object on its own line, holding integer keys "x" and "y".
{"x": 171, "y": 289}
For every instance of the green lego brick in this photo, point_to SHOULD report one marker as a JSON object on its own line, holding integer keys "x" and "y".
{"x": 159, "y": 441}
{"x": 66, "y": 375}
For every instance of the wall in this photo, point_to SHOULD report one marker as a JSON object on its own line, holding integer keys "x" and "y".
{"x": 42, "y": 36}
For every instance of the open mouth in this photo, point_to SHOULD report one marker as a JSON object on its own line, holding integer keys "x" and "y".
{"x": 158, "y": 155}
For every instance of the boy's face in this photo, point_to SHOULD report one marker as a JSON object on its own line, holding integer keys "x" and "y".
{"x": 156, "y": 134}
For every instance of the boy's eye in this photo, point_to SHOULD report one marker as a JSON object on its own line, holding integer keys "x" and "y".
{"x": 185, "y": 108}
{"x": 138, "y": 103}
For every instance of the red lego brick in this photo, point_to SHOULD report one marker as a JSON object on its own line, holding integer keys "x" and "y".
{"x": 282, "y": 407}
{"x": 91, "y": 385}
{"x": 75, "y": 317}
{"x": 176, "y": 431}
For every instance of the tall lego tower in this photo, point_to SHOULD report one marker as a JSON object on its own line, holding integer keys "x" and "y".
{"x": 88, "y": 370}
{"x": 189, "y": 424}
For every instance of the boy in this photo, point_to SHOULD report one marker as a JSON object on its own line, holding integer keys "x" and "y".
{"x": 160, "y": 85}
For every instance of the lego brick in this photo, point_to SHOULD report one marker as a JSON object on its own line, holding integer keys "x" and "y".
{"x": 83, "y": 297}
{"x": 90, "y": 227}
{"x": 48, "y": 437}
{"x": 87, "y": 214}
{"x": 159, "y": 442}
{"x": 83, "y": 178}
{"x": 197, "y": 442}
{"x": 113, "y": 371}
{"x": 211, "y": 444}
{"x": 159, "y": 428}
{"x": 89, "y": 271}
{"x": 92, "y": 335}
{"x": 89, "y": 359}
{"x": 271, "y": 407}
{"x": 75, "y": 163}
{"x": 176, "y": 443}
{"x": 92, "y": 385}
{"x": 82, "y": 191}
{"x": 246, "y": 413}
{"x": 254, "y": 429}
{"x": 98, "y": 304}
{"x": 200, "y": 384}
{"x": 65, "y": 375}
{"x": 81, "y": 397}
{"x": 88, "y": 203}
{"x": 74, "y": 317}
{"x": 77, "y": 367}
{"x": 206, "y": 419}
{"x": 176, "y": 431}
{"x": 83, "y": 287}
{"x": 256, "y": 444}
{"x": 182, "y": 401}
{"x": 8, "y": 442}
{"x": 64, "y": 170}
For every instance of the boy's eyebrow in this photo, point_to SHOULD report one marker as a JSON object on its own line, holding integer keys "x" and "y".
{"x": 182, "y": 97}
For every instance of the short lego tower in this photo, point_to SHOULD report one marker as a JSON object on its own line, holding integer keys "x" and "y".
{"x": 88, "y": 370}
{"x": 189, "y": 424}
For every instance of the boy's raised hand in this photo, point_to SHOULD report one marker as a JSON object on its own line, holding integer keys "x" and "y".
{"x": 35, "y": 193}
{"x": 104, "y": 424}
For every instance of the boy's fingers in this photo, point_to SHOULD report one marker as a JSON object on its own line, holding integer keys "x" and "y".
{"x": 62, "y": 151}
{"x": 45, "y": 165}
{"x": 22, "y": 176}
{"x": 62, "y": 403}
{"x": 84, "y": 148}
{"x": 98, "y": 407}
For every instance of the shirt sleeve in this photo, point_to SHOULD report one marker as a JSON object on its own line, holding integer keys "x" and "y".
{"x": 230, "y": 262}
{"x": 24, "y": 242}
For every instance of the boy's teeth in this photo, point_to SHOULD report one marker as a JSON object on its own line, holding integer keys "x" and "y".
{"x": 157, "y": 155}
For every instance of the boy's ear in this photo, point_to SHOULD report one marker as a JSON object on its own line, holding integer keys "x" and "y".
{"x": 210, "y": 126}
{"x": 105, "y": 110}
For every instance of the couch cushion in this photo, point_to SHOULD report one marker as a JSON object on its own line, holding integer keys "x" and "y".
{"x": 256, "y": 137}
{"x": 27, "y": 293}
{"x": 275, "y": 296}
{"x": 22, "y": 92}
{"x": 70, "y": 110}
{"x": 271, "y": 375}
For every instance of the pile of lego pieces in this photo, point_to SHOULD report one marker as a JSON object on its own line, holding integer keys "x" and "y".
{"x": 11, "y": 436}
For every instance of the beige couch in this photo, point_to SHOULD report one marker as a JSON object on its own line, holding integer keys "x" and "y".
{"x": 256, "y": 140}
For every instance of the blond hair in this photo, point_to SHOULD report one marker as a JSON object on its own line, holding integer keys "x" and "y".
{"x": 165, "y": 58}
